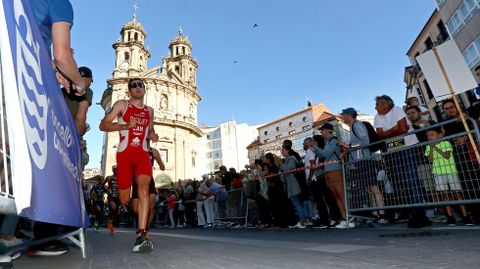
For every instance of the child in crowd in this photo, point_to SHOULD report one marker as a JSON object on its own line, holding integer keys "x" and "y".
{"x": 424, "y": 113}
{"x": 445, "y": 174}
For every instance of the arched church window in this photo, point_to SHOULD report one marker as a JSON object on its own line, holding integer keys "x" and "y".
{"x": 177, "y": 69}
{"x": 136, "y": 36}
{"x": 127, "y": 56}
{"x": 176, "y": 49}
{"x": 183, "y": 50}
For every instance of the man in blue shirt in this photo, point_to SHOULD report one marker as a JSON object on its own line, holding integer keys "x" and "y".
{"x": 55, "y": 18}
{"x": 220, "y": 194}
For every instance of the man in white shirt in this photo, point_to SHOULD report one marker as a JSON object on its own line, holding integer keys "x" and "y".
{"x": 391, "y": 125}
{"x": 309, "y": 160}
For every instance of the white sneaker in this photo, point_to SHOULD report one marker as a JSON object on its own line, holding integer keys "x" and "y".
{"x": 308, "y": 223}
{"x": 343, "y": 224}
{"x": 13, "y": 242}
{"x": 299, "y": 225}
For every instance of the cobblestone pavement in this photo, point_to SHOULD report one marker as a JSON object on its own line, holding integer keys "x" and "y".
{"x": 390, "y": 247}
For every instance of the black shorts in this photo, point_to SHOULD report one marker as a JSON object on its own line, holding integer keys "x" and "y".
{"x": 151, "y": 189}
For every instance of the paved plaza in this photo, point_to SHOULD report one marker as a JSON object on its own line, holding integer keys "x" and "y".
{"x": 369, "y": 248}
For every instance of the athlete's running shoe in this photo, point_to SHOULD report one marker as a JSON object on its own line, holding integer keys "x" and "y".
{"x": 142, "y": 244}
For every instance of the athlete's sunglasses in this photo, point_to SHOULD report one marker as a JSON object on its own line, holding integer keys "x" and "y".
{"x": 137, "y": 84}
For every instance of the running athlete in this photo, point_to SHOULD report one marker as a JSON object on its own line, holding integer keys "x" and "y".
{"x": 113, "y": 201}
{"x": 154, "y": 156}
{"x": 135, "y": 127}
{"x": 97, "y": 200}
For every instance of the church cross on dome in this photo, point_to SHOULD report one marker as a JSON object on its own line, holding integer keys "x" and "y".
{"x": 135, "y": 8}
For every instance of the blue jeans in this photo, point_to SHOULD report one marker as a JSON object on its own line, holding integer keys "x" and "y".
{"x": 297, "y": 203}
{"x": 405, "y": 170}
{"x": 307, "y": 209}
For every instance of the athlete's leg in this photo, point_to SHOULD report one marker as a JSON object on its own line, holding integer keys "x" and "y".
{"x": 113, "y": 214}
{"x": 153, "y": 199}
{"x": 143, "y": 203}
{"x": 124, "y": 195}
{"x": 135, "y": 206}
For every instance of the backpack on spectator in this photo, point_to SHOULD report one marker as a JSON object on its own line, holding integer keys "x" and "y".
{"x": 302, "y": 181}
{"x": 372, "y": 137}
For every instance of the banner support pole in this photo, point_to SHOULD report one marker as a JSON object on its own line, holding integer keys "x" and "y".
{"x": 457, "y": 104}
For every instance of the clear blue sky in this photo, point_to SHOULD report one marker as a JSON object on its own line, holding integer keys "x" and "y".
{"x": 340, "y": 52}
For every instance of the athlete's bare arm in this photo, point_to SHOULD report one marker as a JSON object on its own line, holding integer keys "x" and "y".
{"x": 107, "y": 124}
{"x": 158, "y": 158}
{"x": 152, "y": 136}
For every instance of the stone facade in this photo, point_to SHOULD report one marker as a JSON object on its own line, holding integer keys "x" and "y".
{"x": 171, "y": 90}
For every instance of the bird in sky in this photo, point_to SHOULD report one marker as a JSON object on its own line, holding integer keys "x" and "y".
{"x": 235, "y": 61}
{"x": 255, "y": 25}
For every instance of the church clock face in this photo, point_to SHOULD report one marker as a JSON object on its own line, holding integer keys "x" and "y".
{"x": 124, "y": 65}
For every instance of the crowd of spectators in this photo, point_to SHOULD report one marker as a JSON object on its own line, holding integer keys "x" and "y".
{"x": 426, "y": 166}
{"x": 434, "y": 164}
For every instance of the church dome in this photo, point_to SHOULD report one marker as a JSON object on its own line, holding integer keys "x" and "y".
{"x": 180, "y": 39}
{"x": 134, "y": 24}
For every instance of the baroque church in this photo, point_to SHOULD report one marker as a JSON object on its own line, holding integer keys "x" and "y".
{"x": 171, "y": 90}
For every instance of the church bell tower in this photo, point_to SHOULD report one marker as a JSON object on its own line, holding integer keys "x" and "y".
{"x": 131, "y": 54}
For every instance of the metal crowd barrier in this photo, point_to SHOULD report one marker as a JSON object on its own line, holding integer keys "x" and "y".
{"x": 234, "y": 210}
{"x": 7, "y": 202}
{"x": 404, "y": 177}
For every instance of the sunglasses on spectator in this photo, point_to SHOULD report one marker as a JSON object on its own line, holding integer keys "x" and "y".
{"x": 136, "y": 85}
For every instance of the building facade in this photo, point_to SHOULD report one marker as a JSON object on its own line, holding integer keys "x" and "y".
{"x": 92, "y": 172}
{"x": 226, "y": 144}
{"x": 462, "y": 18}
{"x": 457, "y": 19}
{"x": 296, "y": 127}
{"x": 171, "y": 90}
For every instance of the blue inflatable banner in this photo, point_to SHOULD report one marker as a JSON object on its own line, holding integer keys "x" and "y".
{"x": 43, "y": 141}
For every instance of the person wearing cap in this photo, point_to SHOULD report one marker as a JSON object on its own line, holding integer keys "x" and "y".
{"x": 365, "y": 172}
{"x": 333, "y": 170}
{"x": 78, "y": 105}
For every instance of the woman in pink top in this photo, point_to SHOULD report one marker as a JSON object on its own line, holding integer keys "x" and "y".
{"x": 171, "y": 202}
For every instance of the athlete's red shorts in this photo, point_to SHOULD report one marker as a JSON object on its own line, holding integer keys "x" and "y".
{"x": 130, "y": 165}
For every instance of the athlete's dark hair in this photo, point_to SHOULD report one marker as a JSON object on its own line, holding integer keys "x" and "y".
{"x": 134, "y": 79}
